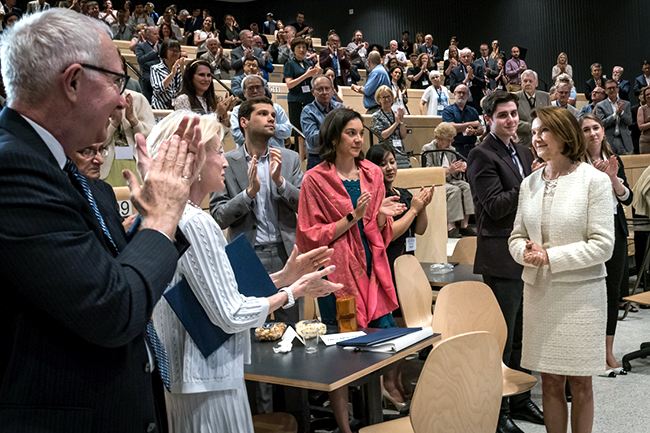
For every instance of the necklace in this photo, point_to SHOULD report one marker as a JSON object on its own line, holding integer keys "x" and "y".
{"x": 570, "y": 170}
{"x": 194, "y": 204}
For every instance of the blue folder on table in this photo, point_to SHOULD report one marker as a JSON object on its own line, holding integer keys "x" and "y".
{"x": 378, "y": 337}
{"x": 252, "y": 280}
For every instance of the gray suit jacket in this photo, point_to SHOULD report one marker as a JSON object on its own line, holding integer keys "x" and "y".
{"x": 230, "y": 209}
{"x": 542, "y": 99}
{"x": 33, "y": 6}
{"x": 608, "y": 116}
{"x": 494, "y": 70}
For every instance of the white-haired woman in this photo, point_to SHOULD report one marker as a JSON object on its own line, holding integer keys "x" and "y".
{"x": 435, "y": 97}
{"x": 208, "y": 394}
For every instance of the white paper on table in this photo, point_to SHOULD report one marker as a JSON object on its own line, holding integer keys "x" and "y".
{"x": 331, "y": 339}
{"x": 286, "y": 343}
{"x": 123, "y": 152}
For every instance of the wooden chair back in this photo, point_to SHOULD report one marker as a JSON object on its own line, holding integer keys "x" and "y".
{"x": 414, "y": 292}
{"x": 464, "y": 251}
{"x": 469, "y": 306}
{"x": 460, "y": 386}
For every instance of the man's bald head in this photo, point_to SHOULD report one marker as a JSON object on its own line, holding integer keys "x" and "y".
{"x": 374, "y": 58}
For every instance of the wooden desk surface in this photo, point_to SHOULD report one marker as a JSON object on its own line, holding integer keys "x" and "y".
{"x": 326, "y": 370}
{"x": 460, "y": 273}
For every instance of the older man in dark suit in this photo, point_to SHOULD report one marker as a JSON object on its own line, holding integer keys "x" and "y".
{"x": 73, "y": 314}
{"x": 529, "y": 99}
{"x": 495, "y": 169}
{"x": 147, "y": 54}
{"x": 642, "y": 80}
{"x": 471, "y": 75}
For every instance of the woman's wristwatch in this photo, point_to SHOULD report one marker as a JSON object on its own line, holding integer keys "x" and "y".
{"x": 290, "y": 301}
{"x": 350, "y": 217}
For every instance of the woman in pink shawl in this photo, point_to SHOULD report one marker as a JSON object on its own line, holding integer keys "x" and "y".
{"x": 342, "y": 205}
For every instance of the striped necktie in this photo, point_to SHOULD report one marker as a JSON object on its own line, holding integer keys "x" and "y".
{"x": 79, "y": 180}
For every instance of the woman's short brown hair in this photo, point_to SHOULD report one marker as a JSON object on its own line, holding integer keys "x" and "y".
{"x": 561, "y": 123}
{"x": 297, "y": 41}
{"x": 642, "y": 95}
{"x": 383, "y": 90}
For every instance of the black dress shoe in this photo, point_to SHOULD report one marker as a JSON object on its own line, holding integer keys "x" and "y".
{"x": 528, "y": 412}
{"x": 507, "y": 425}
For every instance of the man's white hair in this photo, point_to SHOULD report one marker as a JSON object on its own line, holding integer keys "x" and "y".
{"x": 529, "y": 71}
{"x": 465, "y": 50}
{"x": 43, "y": 45}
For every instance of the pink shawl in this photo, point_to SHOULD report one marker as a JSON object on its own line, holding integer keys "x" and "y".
{"x": 324, "y": 201}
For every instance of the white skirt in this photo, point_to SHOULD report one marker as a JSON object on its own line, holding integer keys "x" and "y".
{"x": 210, "y": 412}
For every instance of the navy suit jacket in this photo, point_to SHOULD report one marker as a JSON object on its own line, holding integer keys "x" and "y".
{"x": 457, "y": 75}
{"x": 72, "y": 316}
{"x": 639, "y": 83}
{"x": 436, "y": 52}
{"x": 494, "y": 180}
{"x": 147, "y": 57}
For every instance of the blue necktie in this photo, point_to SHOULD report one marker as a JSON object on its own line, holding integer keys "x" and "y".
{"x": 513, "y": 155}
{"x": 159, "y": 350}
{"x": 80, "y": 181}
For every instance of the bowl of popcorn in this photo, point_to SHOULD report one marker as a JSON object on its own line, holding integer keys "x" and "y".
{"x": 310, "y": 330}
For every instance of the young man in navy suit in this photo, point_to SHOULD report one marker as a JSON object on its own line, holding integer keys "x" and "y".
{"x": 495, "y": 170}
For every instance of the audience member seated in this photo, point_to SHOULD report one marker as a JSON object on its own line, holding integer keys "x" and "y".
{"x": 139, "y": 16}
{"x": 285, "y": 52}
{"x": 334, "y": 211}
{"x": 10, "y": 8}
{"x": 121, "y": 30}
{"x": 192, "y": 24}
{"x": 280, "y": 40}
{"x": 562, "y": 95}
{"x": 465, "y": 120}
{"x": 255, "y": 29}
{"x": 419, "y": 41}
{"x": 182, "y": 18}
{"x": 209, "y": 392}
{"x": 597, "y": 79}
{"x": 136, "y": 118}
{"x": 597, "y": 95}
{"x": 394, "y": 53}
{"x": 565, "y": 78}
{"x": 562, "y": 67}
{"x": 10, "y": 19}
{"x": 253, "y": 87}
{"x": 435, "y": 97}
{"x": 529, "y": 99}
{"x": 453, "y": 42}
{"x": 405, "y": 44}
{"x": 431, "y": 50}
{"x": 301, "y": 28}
{"x": 168, "y": 18}
{"x": 93, "y": 11}
{"x": 338, "y": 96}
{"x": 336, "y": 58}
{"x": 202, "y": 35}
{"x": 251, "y": 67}
{"x": 410, "y": 222}
{"x": 298, "y": 73}
{"x": 377, "y": 77}
{"x": 514, "y": 68}
{"x": 459, "y": 196}
{"x": 358, "y": 50}
{"x": 244, "y": 51}
{"x": 167, "y": 75}
{"x": 490, "y": 67}
{"x": 400, "y": 94}
{"x": 218, "y": 60}
{"x": 623, "y": 85}
{"x": 643, "y": 120}
{"x": 451, "y": 62}
{"x": 471, "y": 75}
{"x": 279, "y": 26}
{"x": 267, "y": 67}
{"x": 418, "y": 75}
{"x": 147, "y": 54}
{"x": 166, "y": 32}
{"x": 313, "y": 114}
{"x": 617, "y": 117}
{"x": 108, "y": 15}
{"x": 229, "y": 33}
{"x": 389, "y": 124}
{"x": 36, "y": 6}
{"x": 642, "y": 80}
{"x": 150, "y": 10}
{"x": 269, "y": 24}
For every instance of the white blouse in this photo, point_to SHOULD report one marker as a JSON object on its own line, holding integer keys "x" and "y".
{"x": 207, "y": 269}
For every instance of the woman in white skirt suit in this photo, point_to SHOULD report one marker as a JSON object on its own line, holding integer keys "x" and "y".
{"x": 563, "y": 235}
{"x": 208, "y": 395}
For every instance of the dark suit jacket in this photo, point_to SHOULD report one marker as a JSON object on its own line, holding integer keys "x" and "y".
{"x": 408, "y": 50}
{"x": 72, "y": 316}
{"x": 147, "y": 57}
{"x": 457, "y": 75}
{"x": 230, "y": 210}
{"x": 494, "y": 70}
{"x": 624, "y": 90}
{"x": 591, "y": 85}
{"x": 436, "y": 52}
{"x": 639, "y": 83}
{"x": 326, "y": 60}
{"x": 107, "y": 203}
{"x": 494, "y": 181}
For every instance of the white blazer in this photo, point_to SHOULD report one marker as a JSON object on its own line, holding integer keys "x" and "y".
{"x": 581, "y": 235}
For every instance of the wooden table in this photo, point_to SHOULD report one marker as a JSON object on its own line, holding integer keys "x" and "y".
{"x": 460, "y": 273}
{"x": 330, "y": 368}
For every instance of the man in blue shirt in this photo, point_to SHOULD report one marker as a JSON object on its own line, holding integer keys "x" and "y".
{"x": 313, "y": 114}
{"x": 597, "y": 95}
{"x": 465, "y": 120}
{"x": 377, "y": 77}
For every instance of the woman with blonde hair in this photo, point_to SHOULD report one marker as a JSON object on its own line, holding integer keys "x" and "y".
{"x": 562, "y": 67}
{"x": 208, "y": 394}
{"x": 563, "y": 234}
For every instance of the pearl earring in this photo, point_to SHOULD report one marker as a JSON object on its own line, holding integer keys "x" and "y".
{"x": 199, "y": 179}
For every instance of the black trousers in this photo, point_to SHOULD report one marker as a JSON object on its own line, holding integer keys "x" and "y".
{"x": 510, "y": 295}
{"x": 616, "y": 270}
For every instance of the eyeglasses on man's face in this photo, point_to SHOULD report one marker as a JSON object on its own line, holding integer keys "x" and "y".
{"x": 90, "y": 152}
{"x": 120, "y": 79}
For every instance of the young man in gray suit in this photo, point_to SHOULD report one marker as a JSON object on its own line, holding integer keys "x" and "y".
{"x": 617, "y": 117}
